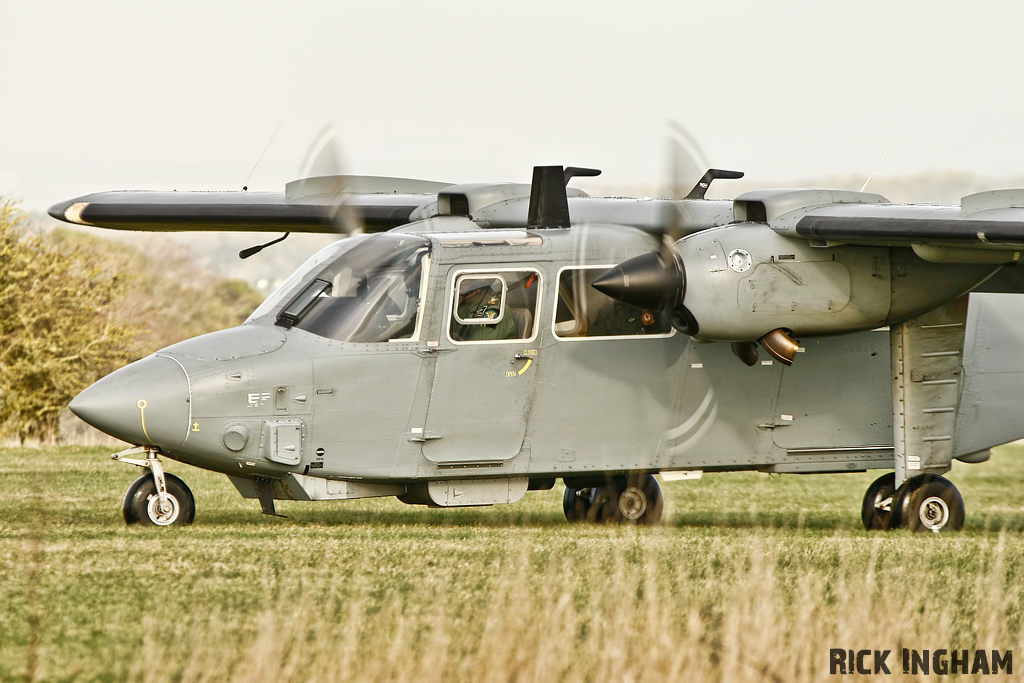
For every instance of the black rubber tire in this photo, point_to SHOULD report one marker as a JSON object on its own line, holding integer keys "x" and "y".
{"x": 576, "y": 504}
{"x": 875, "y": 519}
{"x": 928, "y": 502}
{"x": 636, "y": 499}
{"x": 601, "y": 508}
{"x": 141, "y": 499}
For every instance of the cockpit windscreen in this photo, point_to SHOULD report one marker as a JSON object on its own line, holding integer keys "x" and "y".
{"x": 362, "y": 289}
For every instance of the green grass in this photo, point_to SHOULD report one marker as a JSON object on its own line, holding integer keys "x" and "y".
{"x": 750, "y": 577}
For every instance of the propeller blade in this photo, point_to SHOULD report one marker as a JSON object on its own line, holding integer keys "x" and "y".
{"x": 657, "y": 280}
{"x": 320, "y": 175}
{"x": 323, "y": 157}
{"x": 687, "y": 161}
{"x": 324, "y": 160}
{"x": 687, "y": 164}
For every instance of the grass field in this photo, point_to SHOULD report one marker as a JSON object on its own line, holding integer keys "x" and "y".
{"x": 749, "y": 578}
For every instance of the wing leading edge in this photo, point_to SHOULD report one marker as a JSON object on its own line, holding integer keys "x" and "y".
{"x": 311, "y": 205}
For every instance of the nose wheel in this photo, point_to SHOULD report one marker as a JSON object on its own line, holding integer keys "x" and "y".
{"x": 142, "y": 505}
{"x": 156, "y": 498}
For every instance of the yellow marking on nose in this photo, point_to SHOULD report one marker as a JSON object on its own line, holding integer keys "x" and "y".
{"x": 142, "y": 413}
{"x": 529, "y": 362}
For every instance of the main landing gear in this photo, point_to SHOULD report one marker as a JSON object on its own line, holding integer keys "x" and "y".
{"x": 926, "y": 502}
{"x": 157, "y": 498}
{"x": 635, "y": 499}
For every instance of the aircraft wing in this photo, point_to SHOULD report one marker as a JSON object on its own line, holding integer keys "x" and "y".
{"x": 309, "y": 205}
{"x": 988, "y": 221}
{"x": 905, "y": 225}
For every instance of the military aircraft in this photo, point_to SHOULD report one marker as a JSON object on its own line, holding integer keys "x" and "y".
{"x": 483, "y": 340}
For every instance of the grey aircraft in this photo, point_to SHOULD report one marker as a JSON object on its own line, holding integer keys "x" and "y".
{"x": 479, "y": 341}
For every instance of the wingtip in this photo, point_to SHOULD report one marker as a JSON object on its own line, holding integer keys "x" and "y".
{"x": 57, "y": 210}
{"x": 69, "y": 211}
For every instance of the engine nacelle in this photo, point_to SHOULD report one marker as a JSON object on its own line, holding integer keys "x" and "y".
{"x": 744, "y": 280}
{"x": 739, "y": 282}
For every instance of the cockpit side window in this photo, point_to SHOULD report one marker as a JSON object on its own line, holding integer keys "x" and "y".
{"x": 582, "y": 311}
{"x": 494, "y": 306}
{"x": 481, "y": 299}
{"x": 368, "y": 293}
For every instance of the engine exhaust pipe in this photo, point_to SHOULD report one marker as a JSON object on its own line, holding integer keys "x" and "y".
{"x": 780, "y": 346}
{"x": 746, "y": 352}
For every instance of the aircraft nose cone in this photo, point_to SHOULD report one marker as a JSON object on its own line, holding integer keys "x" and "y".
{"x": 145, "y": 403}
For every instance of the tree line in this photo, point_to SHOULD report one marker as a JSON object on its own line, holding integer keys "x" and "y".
{"x": 74, "y": 308}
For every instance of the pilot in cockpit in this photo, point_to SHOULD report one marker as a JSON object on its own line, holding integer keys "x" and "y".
{"x": 481, "y": 298}
{"x": 617, "y": 318}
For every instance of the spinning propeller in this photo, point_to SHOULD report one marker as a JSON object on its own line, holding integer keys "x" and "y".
{"x": 321, "y": 175}
{"x": 657, "y": 280}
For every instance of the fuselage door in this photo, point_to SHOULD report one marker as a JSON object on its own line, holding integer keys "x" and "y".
{"x": 484, "y": 378}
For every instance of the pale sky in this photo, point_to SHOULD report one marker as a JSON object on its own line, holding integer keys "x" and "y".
{"x": 185, "y": 95}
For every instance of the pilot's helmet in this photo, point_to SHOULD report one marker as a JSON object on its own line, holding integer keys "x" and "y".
{"x": 471, "y": 287}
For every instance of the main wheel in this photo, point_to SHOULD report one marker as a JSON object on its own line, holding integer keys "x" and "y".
{"x": 576, "y": 503}
{"x": 876, "y": 511}
{"x": 142, "y": 505}
{"x": 928, "y": 502}
{"x": 635, "y": 499}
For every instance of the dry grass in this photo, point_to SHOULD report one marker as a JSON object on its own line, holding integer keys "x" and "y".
{"x": 646, "y": 609}
{"x": 750, "y": 579}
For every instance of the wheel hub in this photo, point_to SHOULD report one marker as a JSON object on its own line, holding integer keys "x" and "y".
{"x": 934, "y": 513}
{"x": 632, "y": 503}
{"x": 164, "y": 517}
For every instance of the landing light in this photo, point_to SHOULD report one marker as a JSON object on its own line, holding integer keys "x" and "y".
{"x": 74, "y": 213}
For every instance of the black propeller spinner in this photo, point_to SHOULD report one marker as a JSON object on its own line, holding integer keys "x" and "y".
{"x": 657, "y": 280}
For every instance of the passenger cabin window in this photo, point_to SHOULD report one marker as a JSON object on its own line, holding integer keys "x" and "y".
{"x": 582, "y": 311}
{"x": 494, "y": 306}
{"x": 363, "y": 289}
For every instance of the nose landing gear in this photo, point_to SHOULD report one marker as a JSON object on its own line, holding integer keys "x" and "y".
{"x": 156, "y": 499}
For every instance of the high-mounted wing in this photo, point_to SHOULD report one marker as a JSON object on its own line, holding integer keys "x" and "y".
{"x": 308, "y": 205}
{"x": 337, "y": 204}
{"x": 986, "y": 227}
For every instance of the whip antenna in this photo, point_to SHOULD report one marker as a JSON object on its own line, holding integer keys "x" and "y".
{"x": 872, "y": 174}
{"x": 245, "y": 187}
